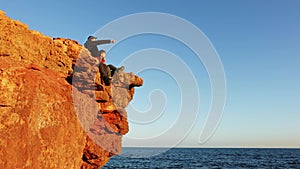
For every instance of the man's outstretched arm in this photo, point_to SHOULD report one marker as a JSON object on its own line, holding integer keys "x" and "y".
{"x": 101, "y": 42}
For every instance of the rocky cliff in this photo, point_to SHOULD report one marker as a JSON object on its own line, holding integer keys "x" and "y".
{"x": 54, "y": 110}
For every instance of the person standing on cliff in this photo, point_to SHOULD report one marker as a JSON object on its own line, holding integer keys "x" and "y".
{"x": 107, "y": 71}
{"x": 92, "y": 43}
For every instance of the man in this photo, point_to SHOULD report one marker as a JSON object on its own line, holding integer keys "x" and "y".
{"x": 107, "y": 71}
{"x": 91, "y": 45}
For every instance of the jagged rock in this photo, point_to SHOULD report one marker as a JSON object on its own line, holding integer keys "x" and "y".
{"x": 55, "y": 112}
{"x": 111, "y": 119}
{"x": 22, "y": 44}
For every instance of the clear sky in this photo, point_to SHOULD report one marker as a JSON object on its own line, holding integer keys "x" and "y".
{"x": 257, "y": 41}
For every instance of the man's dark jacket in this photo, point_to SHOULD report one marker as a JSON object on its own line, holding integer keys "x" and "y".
{"x": 92, "y": 46}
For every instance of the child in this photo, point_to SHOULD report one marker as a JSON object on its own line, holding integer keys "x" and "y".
{"x": 107, "y": 71}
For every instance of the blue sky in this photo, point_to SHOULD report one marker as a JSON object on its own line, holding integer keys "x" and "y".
{"x": 258, "y": 43}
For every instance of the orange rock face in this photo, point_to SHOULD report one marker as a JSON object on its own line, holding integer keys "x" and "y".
{"x": 54, "y": 110}
{"x": 37, "y": 119}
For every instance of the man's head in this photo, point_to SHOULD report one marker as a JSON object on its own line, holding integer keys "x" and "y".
{"x": 92, "y": 38}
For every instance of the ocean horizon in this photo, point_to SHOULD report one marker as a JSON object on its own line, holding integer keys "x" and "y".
{"x": 160, "y": 157}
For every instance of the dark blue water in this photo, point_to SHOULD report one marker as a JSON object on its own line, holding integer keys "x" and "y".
{"x": 207, "y": 158}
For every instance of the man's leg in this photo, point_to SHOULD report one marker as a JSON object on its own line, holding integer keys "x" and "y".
{"x": 105, "y": 74}
{"x": 112, "y": 69}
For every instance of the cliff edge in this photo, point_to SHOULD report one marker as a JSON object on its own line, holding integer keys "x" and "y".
{"x": 55, "y": 112}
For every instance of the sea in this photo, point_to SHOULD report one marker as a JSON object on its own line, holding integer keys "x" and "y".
{"x": 206, "y": 158}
